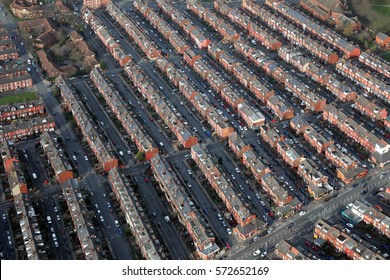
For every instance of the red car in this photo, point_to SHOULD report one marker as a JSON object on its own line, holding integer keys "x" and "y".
{"x": 271, "y": 214}
{"x": 227, "y": 246}
{"x": 307, "y": 242}
{"x": 146, "y": 180}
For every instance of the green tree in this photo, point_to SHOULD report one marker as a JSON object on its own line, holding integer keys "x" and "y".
{"x": 103, "y": 65}
{"x": 140, "y": 156}
{"x": 348, "y": 31}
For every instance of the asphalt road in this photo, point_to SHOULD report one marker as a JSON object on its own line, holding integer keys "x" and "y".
{"x": 104, "y": 121}
{"x": 168, "y": 231}
{"x": 304, "y": 223}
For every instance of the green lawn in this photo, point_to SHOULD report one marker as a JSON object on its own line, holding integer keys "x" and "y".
{"x": 384, "y": 10}
{"x": 386, "y": 56}
{"x": 17, "y": 98}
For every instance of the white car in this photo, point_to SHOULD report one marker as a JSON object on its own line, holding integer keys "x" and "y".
{"x": 302, "y": 213}
{"x": 116, "y": 223}
{"x": 229, "y": 231}
{"x": 56, "y": 244}
{"x": 85, "y": 157}
{"x": 262, "y": 203}
{"x": 350, "y": 225}
{"x": 256, "y": 253}
{"x": 237, "y": 170}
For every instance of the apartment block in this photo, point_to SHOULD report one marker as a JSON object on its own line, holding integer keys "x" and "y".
{"x": 62, "y": 169}
{"x": 316, "y": 139}
{"x": 372, "y": 216}
{"x": 275, "y": 190}
{"x": 279, "y": 108}
{"x": 342, "y": 242}
{"x": 247, "y": 223}
{"x": 220, "y": 25}
{"x": 203, "y": 106}
{"x": 9, "y": 113}
{"x": 16, "y": 82}
{"x": 370, "y": 109}
{"x": 25, "y": 212}
{"x": 323, "y": 33}
{"x": 22, "y": 129}
{"x": 13, "y": 168}
{"x": 204, "y": 241}
{"x": 255, "y": 165}
{"x": 134, "y": 130}
{"x": 376, "y": 63}
{"x": 289, "y": 154}
{"x": 291, "y": 33}
{"x": 8, "y": 49}
{"x": 145, "y": 86}
{"x": 251, "y": 116}
{"x": 311, "y": 100}
{"x": 288, "y": 252}
{"x": 382, "y": 40}
{"x": 270, "y": 135}
{"x": 254, "y": 30}
{"x": 106, "y": 160}
{"x": 316, "y": 72}
{"x": 364, "y": 79}
{"x": 81, "y": 219}
{"x": 134, "y": 214}
{"x": 134, "y": 31}
{"x": 380, "y": 149}
{"x": 316, "y": 182}
{"x": 95, "y": 4}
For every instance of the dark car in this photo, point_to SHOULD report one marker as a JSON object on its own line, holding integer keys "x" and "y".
{"x": 290, "y": 225}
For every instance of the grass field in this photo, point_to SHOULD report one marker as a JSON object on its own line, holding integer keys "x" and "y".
{"x": 22, "y": 97}
{"x": 386, "y": 56}
{"x": 373, "y": 13}
{"x": 383, "y": 10}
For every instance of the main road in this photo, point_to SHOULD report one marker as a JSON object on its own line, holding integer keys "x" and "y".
{"x": 304, "y": 223}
